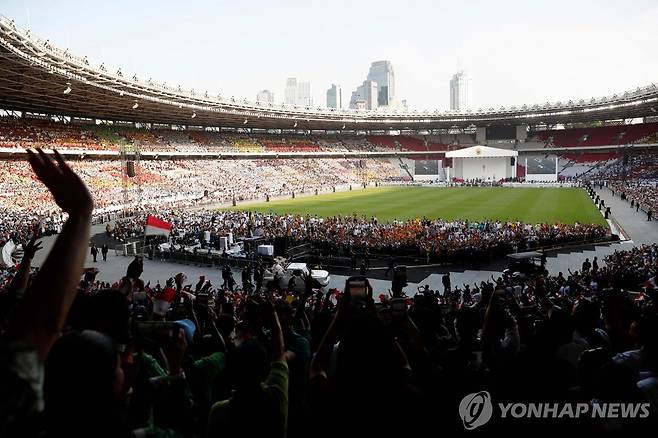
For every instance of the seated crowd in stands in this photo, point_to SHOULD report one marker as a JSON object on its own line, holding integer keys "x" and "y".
{"x": 188, "y": 358}
{"x": 183, "y": 183}
{"x": 635, "y": 179}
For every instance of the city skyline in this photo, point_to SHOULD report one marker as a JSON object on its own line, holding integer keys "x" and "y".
{"x": 229, "y": 49}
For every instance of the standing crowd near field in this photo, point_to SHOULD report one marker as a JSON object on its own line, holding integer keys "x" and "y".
{"x": 435, "y": 240}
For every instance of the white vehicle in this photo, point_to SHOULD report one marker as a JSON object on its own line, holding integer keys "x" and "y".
{"x": 298, "y": 271}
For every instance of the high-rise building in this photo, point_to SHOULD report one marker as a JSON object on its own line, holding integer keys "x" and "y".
{"x": 381, "y": 77}
{"x": 290, "y": 94}
{"x": 297, "y": 93}
{"x": 265, "y": 96}
{"x": 304, "y": 94}
{"x": 371, "y": 89}
{"x": 365, "y": 96}
{"x": 381, "y": 72}
{"x": 335, "y": 97}
{"x": 459, "y": 92}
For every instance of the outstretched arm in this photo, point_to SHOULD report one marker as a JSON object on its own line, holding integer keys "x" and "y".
{"x": 42, "y": 313}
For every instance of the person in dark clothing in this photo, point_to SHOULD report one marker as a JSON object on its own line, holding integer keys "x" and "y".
{"x": 246, "y": 280}
{"x": 104, "y": 250}
{"x": 94, "y": 251}
{"x": 82, "y": 387}
{"x": 258, "y": 276}
{"x": 446, "y": 283}
{"x": 649, "y": 215}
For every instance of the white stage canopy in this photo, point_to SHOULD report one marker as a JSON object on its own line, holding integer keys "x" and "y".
{"x": 481, "y": 152}
{"x": 483, "y": 163}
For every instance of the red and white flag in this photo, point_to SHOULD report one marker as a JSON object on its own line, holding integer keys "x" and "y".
{"x": 650, "y": 284}
{"x": 156, "y": 227}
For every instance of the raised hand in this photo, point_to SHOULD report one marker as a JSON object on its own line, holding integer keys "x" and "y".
{"x": 41, "y": 314}
{"x": 68, "y": 190}
{"x": 30, "y": 248}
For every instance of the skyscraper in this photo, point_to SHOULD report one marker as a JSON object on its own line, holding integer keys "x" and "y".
{"x": 381, "y": 78}
{"x": 297, "y": 93}
{"x": 304, "y": 94}
{"x": 335, "y": 97}
{"x": 381, "y": 72}
{"x": 265, "y": 96}
{"x": 459, "y": 92}
{"x": 290, "y": 94}
{"x": 371, "y": 94}
{"x": 365, "y": 96}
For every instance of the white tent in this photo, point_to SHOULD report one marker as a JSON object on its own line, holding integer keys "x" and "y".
{"x": 483, "y": 162}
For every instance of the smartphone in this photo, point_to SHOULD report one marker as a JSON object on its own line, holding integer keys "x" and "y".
{"x": 357, "y": 287}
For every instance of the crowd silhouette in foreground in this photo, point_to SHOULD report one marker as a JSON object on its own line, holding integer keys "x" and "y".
{"x": 187, "y": 358}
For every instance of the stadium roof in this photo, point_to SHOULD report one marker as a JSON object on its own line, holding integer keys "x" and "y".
{"x": 36, "y": 76}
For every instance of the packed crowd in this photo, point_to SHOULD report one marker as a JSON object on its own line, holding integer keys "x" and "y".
{"x": 184, "y": 358}
{"x": 48, "y": 133}
{"x": 437, "y": 240}
{"x": 194, "y": 182}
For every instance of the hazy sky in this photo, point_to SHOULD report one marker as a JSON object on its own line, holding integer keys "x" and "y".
{"x": 514, "y": 52}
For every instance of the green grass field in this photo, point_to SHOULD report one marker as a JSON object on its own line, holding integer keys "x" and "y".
{"x": 531, "y": 205}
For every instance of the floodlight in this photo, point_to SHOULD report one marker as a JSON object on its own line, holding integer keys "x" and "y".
{"x": 68, "y": 88}
{"x": 193, "y": 115}
{"x": 245, "y": 122}
{"x": 136, "y": 105}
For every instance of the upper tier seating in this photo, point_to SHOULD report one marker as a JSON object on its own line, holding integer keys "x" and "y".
{"x": 603, "y": 136}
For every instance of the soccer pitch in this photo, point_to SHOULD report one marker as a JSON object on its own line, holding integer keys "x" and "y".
{"x": 530, "y": 205}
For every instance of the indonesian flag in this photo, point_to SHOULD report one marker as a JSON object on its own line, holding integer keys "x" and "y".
{"x": 156, "y": 227}
{"x": 162, "y": 300}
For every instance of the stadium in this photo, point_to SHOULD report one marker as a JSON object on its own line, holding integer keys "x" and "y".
{"x": 257, "y": 260}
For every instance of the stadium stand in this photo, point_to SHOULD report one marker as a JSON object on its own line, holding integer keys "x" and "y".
{"x": 598, "y": 136}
